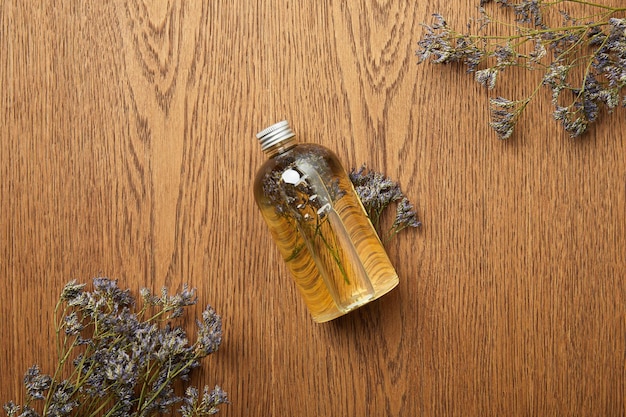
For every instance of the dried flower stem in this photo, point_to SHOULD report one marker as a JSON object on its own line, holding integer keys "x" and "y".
{"x": 123, "y": 365}
{"x": 595, "y": 48}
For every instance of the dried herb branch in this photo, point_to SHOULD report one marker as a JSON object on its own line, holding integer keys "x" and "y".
{"x": 583, "y": 59}
{"x": 113, "y": 361}
{"x": 377, "y": 193}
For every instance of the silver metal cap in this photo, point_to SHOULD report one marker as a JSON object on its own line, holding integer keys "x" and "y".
{"x": 274, "y": 134}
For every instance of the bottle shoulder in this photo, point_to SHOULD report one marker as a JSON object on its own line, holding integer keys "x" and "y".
{"x": 308, "y": 156}
{"x": 297, "y": 154}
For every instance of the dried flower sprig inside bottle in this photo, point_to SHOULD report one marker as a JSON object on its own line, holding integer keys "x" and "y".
{"x": 583, "y": 59}
{"x": 122, "y": 362}
{"x": 297, "y": 196}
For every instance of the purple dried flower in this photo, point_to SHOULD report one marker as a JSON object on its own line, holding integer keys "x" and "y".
{"x": 72, "y": 324}
{"x": 107, "y": 289}
{"x": 11, "y": 409}
{"x": 591, "y": 51}
{"x": 487, "y": 77}
{"x": 71, "y": 291}
{"x": 375, "y": 191}
{"x": 29, "y": 412}
{"x": 505, "y": 55}
{"x": 207, "y": 406}
{"x": 378, "y": 192}
{"x": 36, "y": 383}
{"x": 175, "y": 303}
{"x": 128, "y": 364}
{"x": 209, "y": 331}
{"x": 405, "y": 215}
{"x": 63, "y": 402}
{"x": 444, "y": 46}
{"x": 528, "y": 11}
{"x": 505, "y": 115}
{"x": 571, "y": 120}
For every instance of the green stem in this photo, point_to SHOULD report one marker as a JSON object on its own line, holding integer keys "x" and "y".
{"x": 588, "y": 69}
{"x": 150, "y": 378}
{"x": 63, "y": 352}
{"x": 390, "y": 235}
{"x": 333, "y": 252}
{"x": 590, "y": 4}
{"x": 170, "y": 377}
{"x": 101, "y": 405}
{"x": 530, "y": 33}
{"x": 296, "y": 251}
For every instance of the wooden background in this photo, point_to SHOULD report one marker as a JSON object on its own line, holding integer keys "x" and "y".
{"x": 128, "y": 151}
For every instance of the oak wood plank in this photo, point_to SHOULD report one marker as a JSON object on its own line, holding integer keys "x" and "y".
{"x": 127, "y": 150}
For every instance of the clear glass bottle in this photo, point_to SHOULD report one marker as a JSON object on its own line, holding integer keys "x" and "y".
{"x": 321, "y": 228}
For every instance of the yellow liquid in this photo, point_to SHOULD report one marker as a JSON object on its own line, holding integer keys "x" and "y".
{"x": 335, "y": 258}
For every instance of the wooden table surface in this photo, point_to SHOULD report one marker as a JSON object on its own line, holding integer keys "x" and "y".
{"x": 128, "y": 151}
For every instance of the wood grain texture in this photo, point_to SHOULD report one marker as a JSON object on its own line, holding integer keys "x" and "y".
{"x": 127, "y": 150}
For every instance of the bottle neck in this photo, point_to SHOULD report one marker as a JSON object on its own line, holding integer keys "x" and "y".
{"x": 280, "y": 147}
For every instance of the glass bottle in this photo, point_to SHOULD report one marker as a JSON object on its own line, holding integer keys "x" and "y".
{"x": 320, "y": 226}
